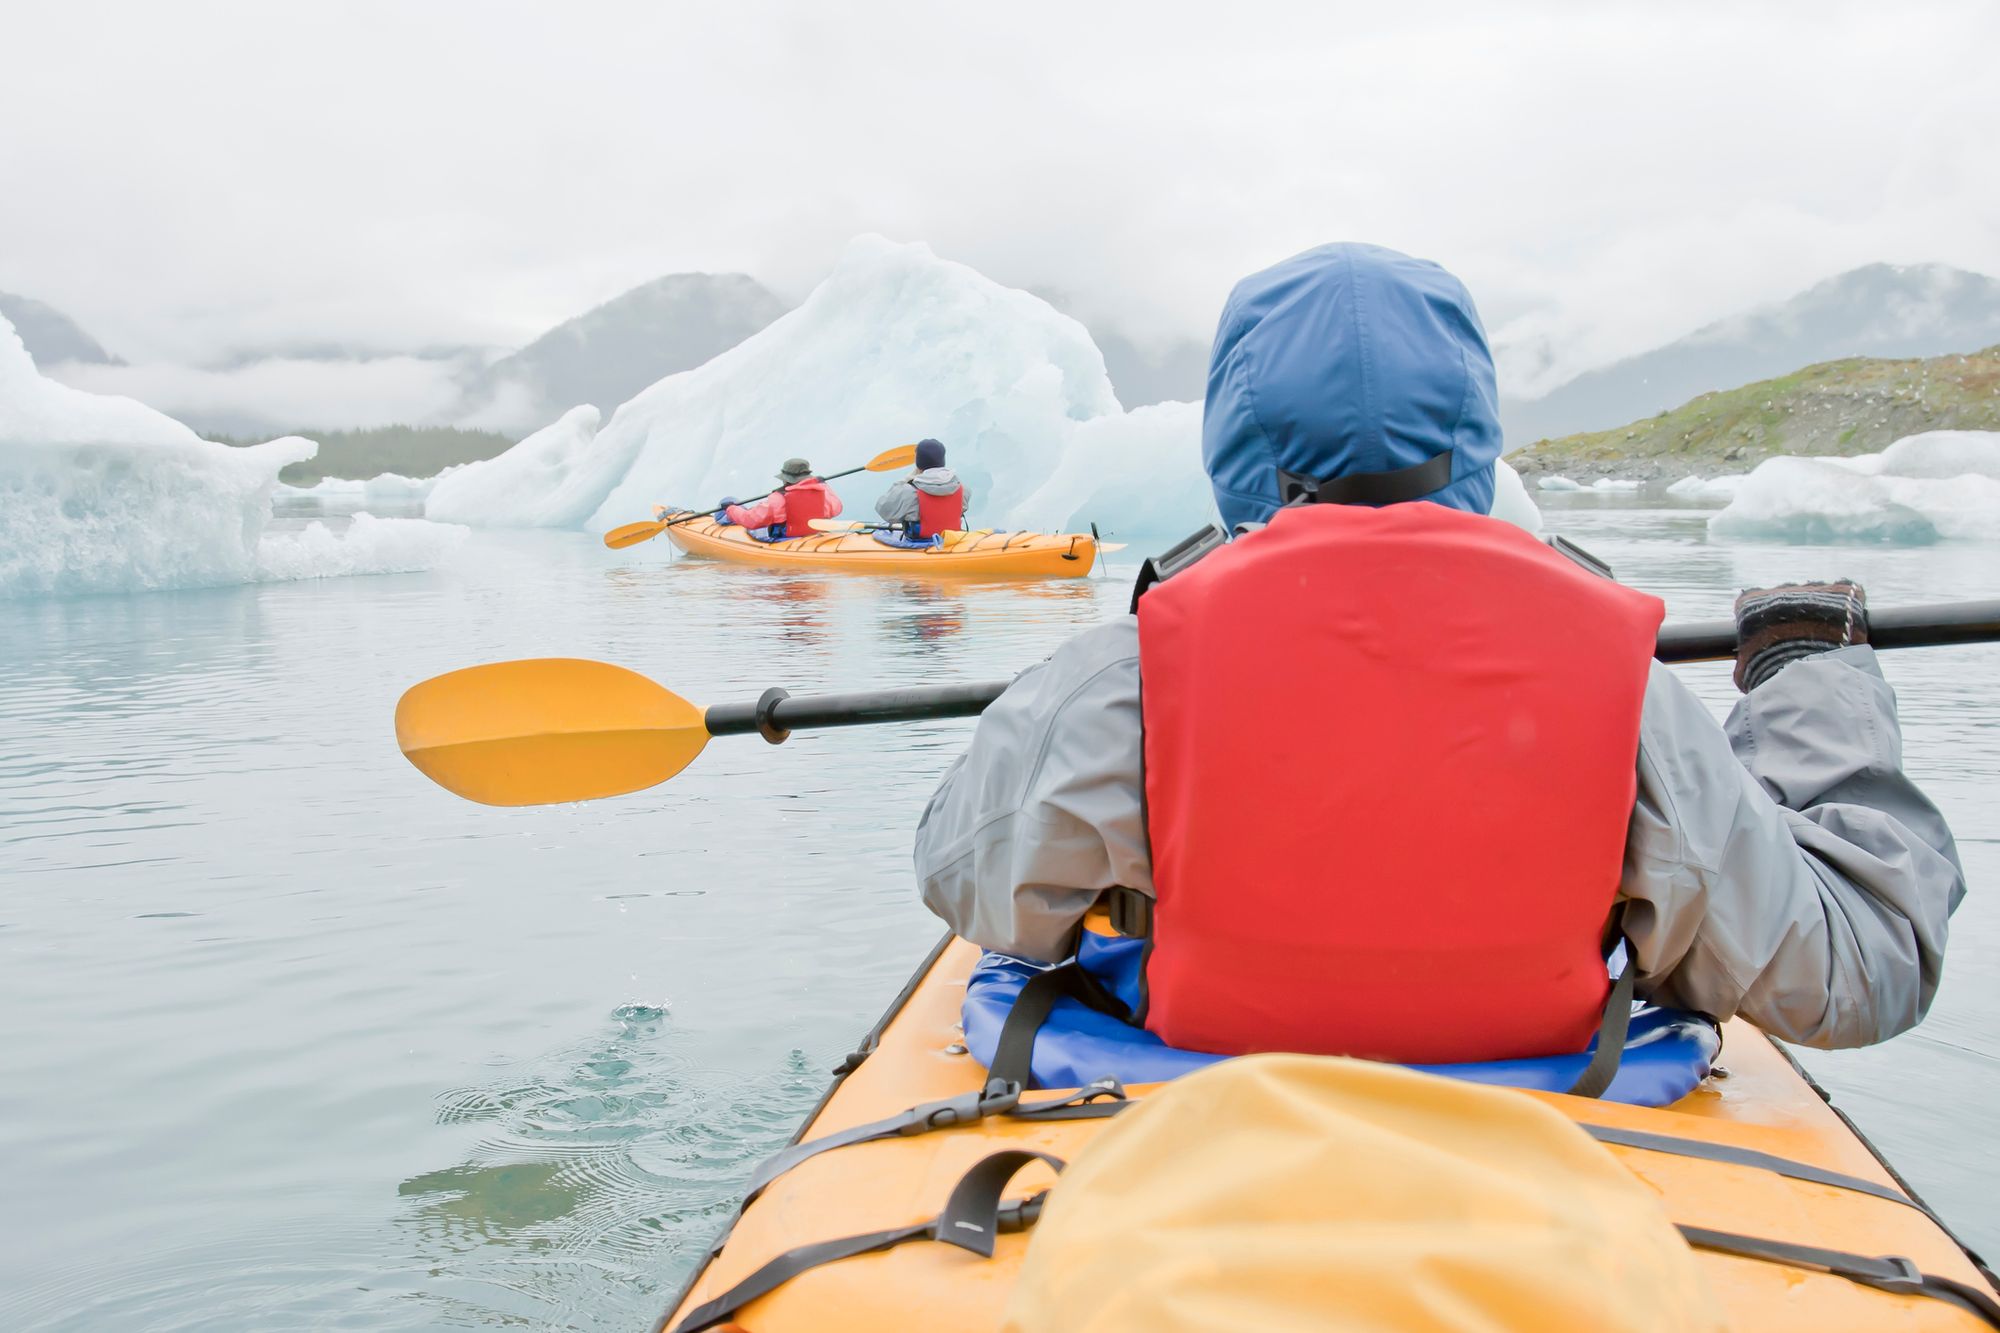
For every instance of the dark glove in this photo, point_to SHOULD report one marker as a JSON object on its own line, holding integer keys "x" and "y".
{"x": 1777, "y": 626}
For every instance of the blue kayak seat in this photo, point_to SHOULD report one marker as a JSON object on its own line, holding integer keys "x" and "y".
{"x": 766, "y": 535}
{"x": 1668, "y": 1052}
{"x": 903, "y": 541}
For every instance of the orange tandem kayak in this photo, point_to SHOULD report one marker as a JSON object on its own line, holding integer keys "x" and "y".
{"x": 1758, "y": 1151}
{"x": 995, "y": 555}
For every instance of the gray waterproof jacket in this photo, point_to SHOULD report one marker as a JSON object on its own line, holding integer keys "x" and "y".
{"x": 1781, "y": 866}
{"x": 898, "y": 504}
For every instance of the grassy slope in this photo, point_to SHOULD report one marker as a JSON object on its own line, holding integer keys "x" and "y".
{"x": 414, "y": 451}
{"x": 1855, "y": 406}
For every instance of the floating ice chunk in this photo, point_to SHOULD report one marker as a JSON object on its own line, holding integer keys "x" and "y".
{"x": 1511, "y": 500}
{"x": 893, "y": 346}
{"x": 381, "y": 487}
{"x": 1941, "y": 454}
{"x": 552, "y": 479}
{"x": 1557, "y": 484}
{"x": 1723, "y": 487}
{"x": 369, "y": 545}
{"x": 101, "y": 494}
{"x": 1944, "y": 485}
{"x": 1613, "y": 484}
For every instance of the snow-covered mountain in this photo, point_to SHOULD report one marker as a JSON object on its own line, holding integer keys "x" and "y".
{"x": 49, "y": 335}
{"x": 608, "y": 354}
{"x": 1881, "y": 310}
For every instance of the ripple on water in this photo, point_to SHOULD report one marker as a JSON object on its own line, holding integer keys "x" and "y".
{"x": 600, "y": 1176}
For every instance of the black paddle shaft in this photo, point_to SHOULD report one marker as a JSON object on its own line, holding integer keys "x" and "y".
{"x": 691, "y": 517}
{"x": 778, "y": 714}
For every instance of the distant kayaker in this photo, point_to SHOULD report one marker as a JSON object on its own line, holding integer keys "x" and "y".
{"x": 932, "y": 501}
{"x": 788, "y": 511}
{"x": 1371, "y": 802}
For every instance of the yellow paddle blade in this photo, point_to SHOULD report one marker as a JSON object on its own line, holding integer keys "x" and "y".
{"x": 834, "y": 525}
{"x": 546, "y": 730}
{"x": 903, "y": 455}
{"x": 632, "y": 534}
{"x": 1111, "y": 546}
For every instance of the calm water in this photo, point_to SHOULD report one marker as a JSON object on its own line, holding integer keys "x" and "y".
{"x": 291, "y": 1038}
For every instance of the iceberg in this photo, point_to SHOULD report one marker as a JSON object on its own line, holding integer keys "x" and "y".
{"x": 1937, "y": 486}
{"x": 104, "y": 494}
{"x": 1721, "y": 487}
{"x": 1613, "y": 484}
{"x": 368, "y": 545}
{"x": 1511, "y": 500}
{"x": 551, "y": 479}
{"x": 895, "y": 345}
{"x": 1558, "y": 484}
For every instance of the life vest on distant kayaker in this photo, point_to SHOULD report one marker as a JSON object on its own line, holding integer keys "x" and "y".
{"x": 804, "y": 502}
{"x": 1389, "y": 766}
{"x": 940, "y": 513}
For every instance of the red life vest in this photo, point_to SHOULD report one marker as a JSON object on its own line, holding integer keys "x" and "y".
{"x": 804, "y": 502}
{"x": 940, "y": 513}
{"x": 1390, "y": 757}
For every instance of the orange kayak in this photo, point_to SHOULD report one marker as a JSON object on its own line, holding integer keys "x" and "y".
{"x": 992, "y": 555}
{"x": 1763, "y": 1111}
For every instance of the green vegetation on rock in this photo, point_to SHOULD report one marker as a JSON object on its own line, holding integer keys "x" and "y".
{"x": 413, "y": 451}
{"x": 1855, "y": 406}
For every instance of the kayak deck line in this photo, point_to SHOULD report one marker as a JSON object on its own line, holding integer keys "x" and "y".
{"x": 1766, "y": 1105}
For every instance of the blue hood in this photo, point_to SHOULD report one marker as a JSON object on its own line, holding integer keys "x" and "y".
{"x": 1348, "y": 359}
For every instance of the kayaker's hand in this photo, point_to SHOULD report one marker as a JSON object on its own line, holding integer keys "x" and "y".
{"x": 722, "y": 510}
{"x": 1777, "y": 626}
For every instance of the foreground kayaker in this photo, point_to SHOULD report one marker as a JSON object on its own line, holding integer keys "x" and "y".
{"x": 788, "y": 511}
{"x": 932, "y": 501}
{"x": 1391, "y": 773}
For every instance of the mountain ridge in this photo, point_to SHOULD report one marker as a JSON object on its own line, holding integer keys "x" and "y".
{"x": 1878, "y": 310}
{"x": 1854, "y": 405}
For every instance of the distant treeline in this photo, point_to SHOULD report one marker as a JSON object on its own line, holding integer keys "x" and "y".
{"x": 413, "y": 451}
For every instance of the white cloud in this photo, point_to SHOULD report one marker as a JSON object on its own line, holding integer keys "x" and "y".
{"x": 207, "y": 176}
{"x": 282, "y": 394}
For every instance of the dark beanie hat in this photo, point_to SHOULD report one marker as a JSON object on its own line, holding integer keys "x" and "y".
{"x": 930, "y": 454}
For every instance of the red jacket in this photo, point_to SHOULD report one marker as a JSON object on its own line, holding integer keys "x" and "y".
{"x": 770, "y": 511}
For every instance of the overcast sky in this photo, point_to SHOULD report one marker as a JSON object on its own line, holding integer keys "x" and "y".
{"x": 187, "y": 178}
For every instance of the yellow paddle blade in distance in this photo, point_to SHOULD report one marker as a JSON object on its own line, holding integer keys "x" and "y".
{"x": 632, "y": 534}
{"x": 1111, "y": 546}
{"x": 903, "y": 455}
{"x": 834, "y": 525}
{"x": 546, "y": 730}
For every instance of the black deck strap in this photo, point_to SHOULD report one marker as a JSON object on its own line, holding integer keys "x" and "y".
{"x": 1611, "y": 1029}
{"x": 1014, "y": 1053}
{"x": 1106, "y": 1097}
{"x": 1735, "y": 1156}
{"x": 1367, "y": 488}
{"x": 1891, "y": 1273}
{"x": 972, "y": 1217}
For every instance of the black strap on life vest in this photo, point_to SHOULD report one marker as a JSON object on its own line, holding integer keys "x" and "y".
{"x": 1181, "y": 555}
{"x": 972, "y": 1217}
{"x": 1014, "y": 1053}
{"x": 1889, "y": 1272}
{"x": 1367, "y": 488}
{"x": 1595, "y": 1080}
